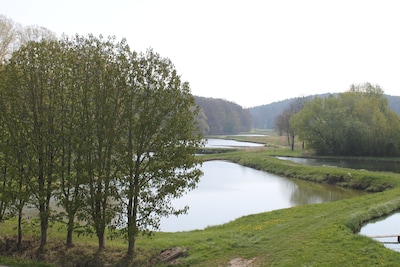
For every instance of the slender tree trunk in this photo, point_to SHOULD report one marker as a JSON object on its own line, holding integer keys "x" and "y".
{"x": 292, "y": 142}
{"x": 43, "y": 209}
{"x": 131, "y": 230}
{"x": 132, "y": 204}
{"x": 100, "y": 236}
{"x": 44, "y": 223}
{"x": 70, "y": 230}
{"x": 19, "y": 242}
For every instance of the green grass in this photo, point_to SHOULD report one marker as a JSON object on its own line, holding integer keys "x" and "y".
{"x": 263, "y": 159}
{"x": 310, "y": 235}
{"x": 21, "y": 263}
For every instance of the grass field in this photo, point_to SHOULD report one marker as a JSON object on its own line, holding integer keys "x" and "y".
{"x": 310, "y": 235}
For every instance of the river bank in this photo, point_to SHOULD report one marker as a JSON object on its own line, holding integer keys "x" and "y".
{"x": 310, "y": 235}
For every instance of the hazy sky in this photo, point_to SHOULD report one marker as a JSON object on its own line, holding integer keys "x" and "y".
{"x": 248, "y": 52}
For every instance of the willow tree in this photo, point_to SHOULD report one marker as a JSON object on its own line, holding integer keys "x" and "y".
{"x": 161, "y": 137}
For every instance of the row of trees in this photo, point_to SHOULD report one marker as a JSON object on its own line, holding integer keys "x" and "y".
{"x": 103, "y": 131}
{"x": 356, "y": 123}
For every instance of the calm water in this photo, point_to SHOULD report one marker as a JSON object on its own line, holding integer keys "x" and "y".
{"x": 385, "y": 226}
{"x": 222, "y": 143}
{"x": 228, "y": 191}
{"x": 352, "y": 164}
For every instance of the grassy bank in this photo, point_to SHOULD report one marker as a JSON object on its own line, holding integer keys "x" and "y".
{"x": 264, "y": 159}
{"x": 310, "y": 235}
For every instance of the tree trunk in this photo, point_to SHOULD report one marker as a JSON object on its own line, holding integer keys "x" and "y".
{"x": 292, "y": 142}
{"x": 132, "y": 210}
{"x": 19, "y": 242}
{"x": 44, "y": 223}
{"x": 131, "y": 230}
{"x": 70, "y": 230}
{"x": 102, "y": 243}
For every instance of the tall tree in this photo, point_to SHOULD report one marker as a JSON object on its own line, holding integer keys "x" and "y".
{"x": 99, "y": 132}
{"x": 162, "y": 137}
{"x": 282, "y": 121}
{"x": 71, "y": 182}
{"x": 36, "y": 65}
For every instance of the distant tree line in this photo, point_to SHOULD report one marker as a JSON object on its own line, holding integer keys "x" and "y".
{"x": 264, "y": 116}
{"x": 102, "y": 131}
{"x": 358, "y": 122}
{"x": 223, "y": 117}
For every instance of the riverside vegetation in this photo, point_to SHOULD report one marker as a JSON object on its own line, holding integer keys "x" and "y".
{"x": 309, "y": 235}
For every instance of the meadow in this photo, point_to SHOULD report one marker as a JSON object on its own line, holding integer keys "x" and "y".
{"x": 310, "y": 235}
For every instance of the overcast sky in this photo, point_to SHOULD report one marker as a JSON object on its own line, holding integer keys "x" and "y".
{"x": 248, "y": 52}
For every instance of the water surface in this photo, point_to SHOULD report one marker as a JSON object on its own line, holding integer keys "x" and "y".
{"x": 224, "y": 143}
{"x": 228, "y": 191}
{"x": 384, "y": 227}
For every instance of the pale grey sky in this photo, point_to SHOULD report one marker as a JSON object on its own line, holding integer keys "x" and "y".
{"x": 249, "y": 52}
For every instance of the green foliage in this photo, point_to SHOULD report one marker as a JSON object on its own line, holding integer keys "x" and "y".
{"x": 264, "y": 116}
{"x": 93, "y": 126}
{"x": 356, "y": 123}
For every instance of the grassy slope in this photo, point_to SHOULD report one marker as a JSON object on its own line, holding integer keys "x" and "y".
{"x": 311, "y": 235}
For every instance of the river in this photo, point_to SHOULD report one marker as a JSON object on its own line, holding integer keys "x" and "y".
{"x": 228, "y": 191}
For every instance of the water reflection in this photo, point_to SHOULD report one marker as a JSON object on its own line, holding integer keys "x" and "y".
{"x": 311, "y": 193}
{"x": 228, "y": 191}
{"x": 222, "y": 143}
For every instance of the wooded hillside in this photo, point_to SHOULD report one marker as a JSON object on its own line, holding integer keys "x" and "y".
{"x": 224, "y": 117}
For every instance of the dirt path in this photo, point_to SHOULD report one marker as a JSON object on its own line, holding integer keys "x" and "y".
{"x": 239, "y": 262}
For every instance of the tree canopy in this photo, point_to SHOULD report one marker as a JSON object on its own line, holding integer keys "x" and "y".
{"x": 358, "y": 122}
{"x": 102, "y": 131}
